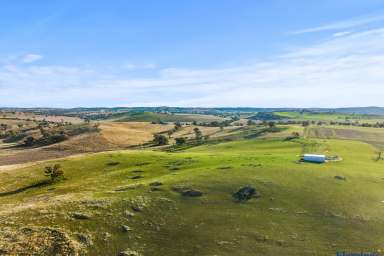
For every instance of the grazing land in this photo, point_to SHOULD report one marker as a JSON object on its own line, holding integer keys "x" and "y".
{"x": 162, "y": 117}
{"x": 369, "y": 135}
{"x": 123, "y": 192}
{"x": 330, "y": 116}
{"x": 28, "y": 116}
{"x": 127, "y": 134}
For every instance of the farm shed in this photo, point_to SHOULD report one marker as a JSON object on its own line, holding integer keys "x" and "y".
{"x": 314, "y": 158}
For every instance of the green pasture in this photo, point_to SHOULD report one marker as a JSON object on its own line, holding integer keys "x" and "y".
{"x": 329, "y": 116}
{"x": 302, "y": 208}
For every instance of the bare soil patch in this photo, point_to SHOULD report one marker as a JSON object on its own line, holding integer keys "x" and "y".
{"x": 84, "y": 143}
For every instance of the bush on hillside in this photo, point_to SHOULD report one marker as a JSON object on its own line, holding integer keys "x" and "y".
{"x": 180, "y": 141}
{"x": 52, "y": 138}
{"x": 198, "y": 134}
{"x": 54, "y": 172}
{"x": 266, "y": 116}
{"x": 29, "y": 141}
{"x": 159, "y": 139}
{"x": 178, "y": 126}
{"x": 14, "y": 137}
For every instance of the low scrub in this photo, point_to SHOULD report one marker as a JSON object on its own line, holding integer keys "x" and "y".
{"x": 59, "y": 134}
{"x": 14, "y": 137}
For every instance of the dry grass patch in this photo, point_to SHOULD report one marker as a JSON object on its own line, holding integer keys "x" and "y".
{"x": 373, "y": 136}
{"x": 187, "y": 131}
{"x": 127, "y": 134}
{"x": 32, "y": 116}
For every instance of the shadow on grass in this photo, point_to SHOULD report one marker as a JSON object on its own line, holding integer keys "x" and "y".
{"x": 19, "y": 190}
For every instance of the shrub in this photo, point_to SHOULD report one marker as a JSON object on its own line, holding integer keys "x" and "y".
{"x": 53, "y": 138}
{"x": 250, "y": 122}
{"x": 14, "y": 137}
{"x": 160, "y": 139}
{"x": 178, "y": 125}
{"x": 271, "y": 124}
{"x": 181, "y": 141}
{"x": 54, "y": 172}
{"x": 379, "y": 155}
{"x": 29, "y": 141}
{"x": 198, "y": 134}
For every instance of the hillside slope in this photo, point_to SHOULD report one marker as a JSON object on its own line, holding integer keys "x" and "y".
{"x": 133, "y": 200}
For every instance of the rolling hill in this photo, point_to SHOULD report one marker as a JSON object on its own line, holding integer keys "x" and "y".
{"x": 138, "y": 202}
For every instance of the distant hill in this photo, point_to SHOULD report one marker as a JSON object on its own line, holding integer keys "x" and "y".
{"x": 364, "y": 110}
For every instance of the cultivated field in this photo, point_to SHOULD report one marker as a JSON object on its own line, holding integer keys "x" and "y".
{"x": 313, "y": 116}
{"x": 372, "y": 136}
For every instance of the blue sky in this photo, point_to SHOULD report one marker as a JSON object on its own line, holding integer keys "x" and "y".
{"x": 264, "y": 53}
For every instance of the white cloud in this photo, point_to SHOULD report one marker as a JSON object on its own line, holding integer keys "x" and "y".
{"x": 134, "y": 66}
{"x": 352, "y": 23}
{"x": 341, "y": 71}
{"x": 343, "y": 33}
{"x": 31, "y": 57}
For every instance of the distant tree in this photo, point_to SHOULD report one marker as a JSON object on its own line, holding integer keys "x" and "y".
{"x": 11, "y": 133}
{"x": 250, "y": 122}
{"x": 198, "y": 134}
{"x": 271, "y": 124}
{"x": 235, "y": 118}
{"x": 29, "y": 141}
{"x": 221, "y": 127}
{"x": 305, "y": 123}
{"x": 160, "y": 139}
{"x": 3, "y": 127}
{"x": 54, "y": 172}
{"x": 178, "y": 125}
{"x": 214, "y": 124}
{"x": 194, "y": 123}
{"x": 295, "y": 134}
{"x": 379, "y": 155}
{"x": 180, "y": 141}
{"x": 43, "y": 132}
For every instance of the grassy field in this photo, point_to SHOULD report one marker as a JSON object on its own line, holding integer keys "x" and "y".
{"x": 110, "y": 136}
{"x": 373, "y": 136}
{"x": 286, "y": 131}
{"x": 25, "y": 116}
{"x": 127, "y": 134}
{"x": 339, "y": 117}
{"x": 302, "y": 210}
{"x": 163, "y": 117}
